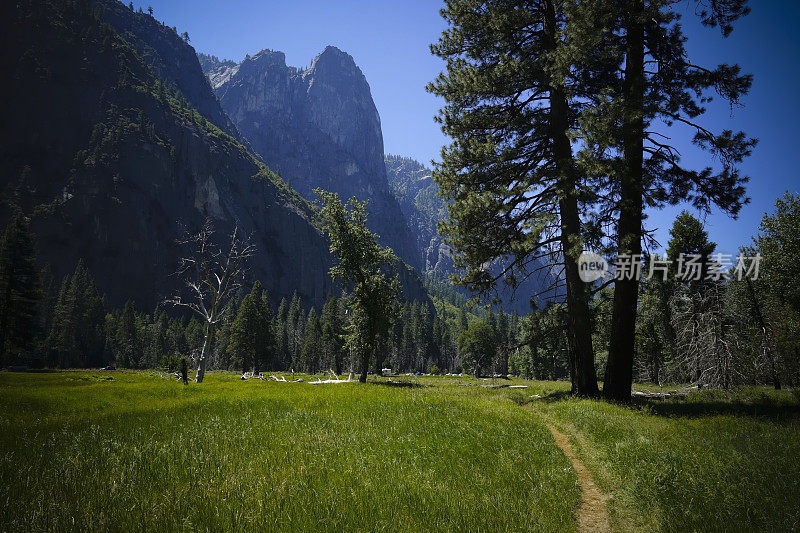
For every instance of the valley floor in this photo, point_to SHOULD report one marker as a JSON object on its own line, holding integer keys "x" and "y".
{"x": 140, "y": 451}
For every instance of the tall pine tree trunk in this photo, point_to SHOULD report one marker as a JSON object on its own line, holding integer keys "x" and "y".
{"x": 578, "y": 323}
{"x": 619, "y": 369}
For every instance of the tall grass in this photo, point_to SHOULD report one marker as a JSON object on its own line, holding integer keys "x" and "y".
{"x": 139, "y": 452}
{"x": 144, "y": 453}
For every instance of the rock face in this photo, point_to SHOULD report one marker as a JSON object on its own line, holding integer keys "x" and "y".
{"x": 418, "y": 195}
{"x": 317, "y": 128}
{"x": 113, "y": 162}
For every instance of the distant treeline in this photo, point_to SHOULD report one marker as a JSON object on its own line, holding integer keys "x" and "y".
{"x": 68, "y": 324}
{"x": 711, "y": 332}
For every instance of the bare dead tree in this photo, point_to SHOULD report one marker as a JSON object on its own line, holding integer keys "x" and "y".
{"x": 211, "y": 276}
{"x": 707, "y": 351}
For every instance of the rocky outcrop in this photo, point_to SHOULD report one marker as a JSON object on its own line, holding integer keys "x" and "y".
{"x": 220, "y": 70}
{"x": 417, "y": 193}
{"x": 316, "y": 128}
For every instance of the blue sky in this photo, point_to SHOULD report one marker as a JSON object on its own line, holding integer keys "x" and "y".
{"x": 390, "y": 43}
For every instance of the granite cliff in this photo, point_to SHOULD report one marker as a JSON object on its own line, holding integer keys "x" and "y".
{"x": 316, "y": 127}
{"x": 418, "y": 197}
{"x": 169, "y": 57}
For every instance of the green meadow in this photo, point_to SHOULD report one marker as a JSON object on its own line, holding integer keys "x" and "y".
{"x": 138, "y": 451}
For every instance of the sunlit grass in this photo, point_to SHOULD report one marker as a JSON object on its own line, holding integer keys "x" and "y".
{"x": 121, "y": 451}
{"x": 146, "y": 453}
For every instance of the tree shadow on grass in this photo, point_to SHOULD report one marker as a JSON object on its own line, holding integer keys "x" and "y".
{"x": 775, "y": 410}
{"x": 398, "y": 384}
{"x": 16, "y": 369}
{"x": 523, "y": 398}
{"x": 762, "y": 406}
{"x": 556, "y": 396}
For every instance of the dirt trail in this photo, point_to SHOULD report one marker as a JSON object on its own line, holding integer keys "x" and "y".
{"x": 591, "y": 514}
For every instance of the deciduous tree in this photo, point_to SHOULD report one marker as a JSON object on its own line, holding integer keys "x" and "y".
{"x": 365, "y": 266}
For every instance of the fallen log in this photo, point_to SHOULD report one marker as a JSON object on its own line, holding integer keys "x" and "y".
{"x": 660, "y": 395}
{"x": 334, "y": 379}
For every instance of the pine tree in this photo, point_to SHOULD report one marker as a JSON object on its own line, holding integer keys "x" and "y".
{"x": 48, "y": 291}
{"x": 688, "y": 238}
{"x": 77, "y": 331}
{"x": 777, "y": 243}
{"x": 491, "y": 319}
{"x": 312, "y": 347}
{"x": 267, "y": 357}
{"x": 332, "y": 336}
{"x": 283, "y": 358}
{"x": 634, "y": 163}
{"x": 19, "y": 289}
{"x": 422, "y": 336}
{"x": 61, "y": 337}
{"x": 655, "y": 338}
{"x": 463, "y": 321}
{"x": 91, "y": 310}
{"x": 510, "y": 175}
{"x": 771, "y": 303}
{"x": 194, "y": 336}
{"x": 127, "y": 339}
{"x": 243, "y": 345}
{"x": 697, "y": 317}
{"x": 247, "y": 337}
{"x": 176, "y": 334}
{"x": 408, "y": 348}
{"x": 294, "y": 330}
{"x": 503, "y": 340}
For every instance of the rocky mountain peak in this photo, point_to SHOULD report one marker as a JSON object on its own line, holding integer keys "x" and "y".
{"x": 265, "y": 58}
{"x": 334, "y": 62}
{"x": 317, "y": 128}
